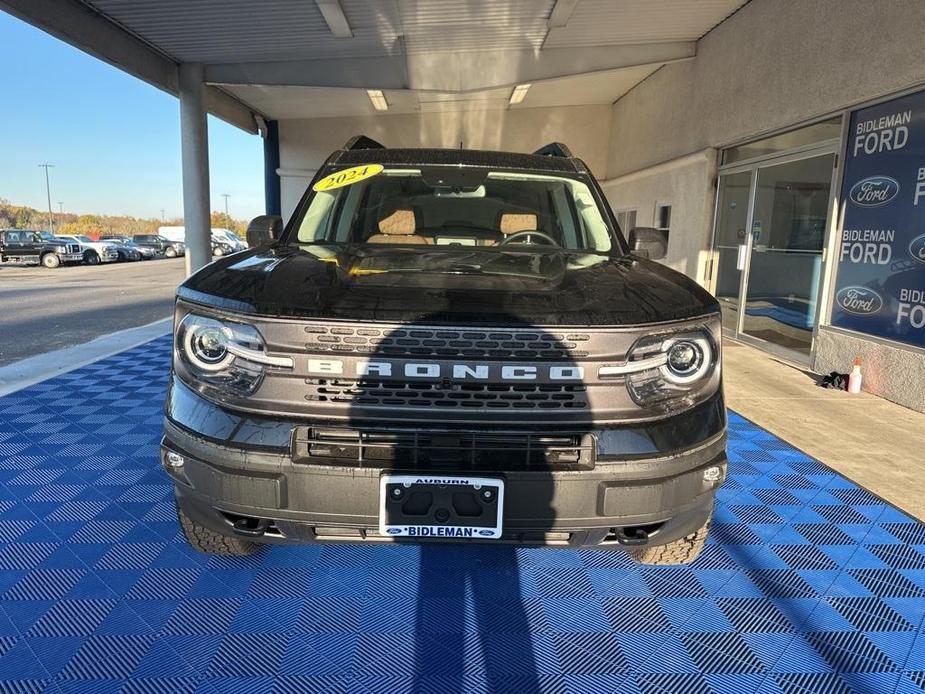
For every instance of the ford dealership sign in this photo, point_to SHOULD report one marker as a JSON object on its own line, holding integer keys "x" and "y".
{"x": 917, "y": 249}
{"x": 880, "y": 281}
{"x": 874, "y": 191}
{"x": 859, "y": 300}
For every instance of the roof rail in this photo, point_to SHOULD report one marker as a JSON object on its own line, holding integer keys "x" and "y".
{"x": 555, "y": 149}
{"x": 362, "y": 142}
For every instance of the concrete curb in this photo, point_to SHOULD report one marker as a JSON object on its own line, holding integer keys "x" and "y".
{"x": 41, "y": 367}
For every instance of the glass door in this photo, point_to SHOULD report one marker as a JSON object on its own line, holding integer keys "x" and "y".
{"x": 790, "y": 208}
{"x": 730, "y": 243}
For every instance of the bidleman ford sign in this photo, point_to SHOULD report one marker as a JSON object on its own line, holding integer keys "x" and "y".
{"x": 880, "y": 285}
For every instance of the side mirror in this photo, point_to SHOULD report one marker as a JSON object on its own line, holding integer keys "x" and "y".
{"x": 266, "y": 227}
{"x": 647, "y": 242}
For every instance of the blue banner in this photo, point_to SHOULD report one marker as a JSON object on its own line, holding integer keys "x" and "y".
{"x": 880, "y": 285}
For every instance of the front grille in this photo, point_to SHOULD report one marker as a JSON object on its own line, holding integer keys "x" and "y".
{"x": 390, "y": 374}
{"x": 443, "y": 450}
{"x": 72, "y": 248}
{"x": 449, "y": 343}
{"x": 453, "y": 395}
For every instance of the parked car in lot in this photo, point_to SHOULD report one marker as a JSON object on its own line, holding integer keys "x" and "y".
{"x": 26, "y": 246}
{"x": 221, "y": 247}
{"x": 94, "y": 252}
{"x": 165, "y": 247}
{"x": 229, "y": 238}
{"x": 453, "y": 346}
{"x": 224, "y": 241}
{"x": 128, "y": 243}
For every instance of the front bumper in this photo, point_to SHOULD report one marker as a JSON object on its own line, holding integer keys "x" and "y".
{"x": 267, "y": 494}
{"x": 71, "y": 257}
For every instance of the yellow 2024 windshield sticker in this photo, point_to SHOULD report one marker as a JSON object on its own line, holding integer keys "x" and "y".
{"x": 347, "y": 177}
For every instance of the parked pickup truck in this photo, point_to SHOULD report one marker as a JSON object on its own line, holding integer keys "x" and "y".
{"x": 25, "y": 246}
{"x": 93, "y": 252}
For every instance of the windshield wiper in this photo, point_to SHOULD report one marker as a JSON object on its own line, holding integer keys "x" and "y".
{"x": 466, "y": 267}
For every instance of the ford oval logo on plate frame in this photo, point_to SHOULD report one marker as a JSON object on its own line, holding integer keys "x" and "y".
{"x": 861, "y": 301}
{"x": 917, "y": 249}
{"x": 874, "y": 191}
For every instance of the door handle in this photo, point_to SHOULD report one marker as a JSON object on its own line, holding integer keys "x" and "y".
{"x": 740, "y": 259}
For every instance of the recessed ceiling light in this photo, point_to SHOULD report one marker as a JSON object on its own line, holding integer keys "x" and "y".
{"x": 378, "y": 99}
{"x": 519, "y": 93}
{"x": 335, "y": 18}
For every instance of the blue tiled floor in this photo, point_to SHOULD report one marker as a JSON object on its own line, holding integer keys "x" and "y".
{"x": 808, "y": 584}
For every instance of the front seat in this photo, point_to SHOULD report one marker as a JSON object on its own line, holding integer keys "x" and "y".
{"x": 398, "y": 227}
{"x": 512, "y": 222}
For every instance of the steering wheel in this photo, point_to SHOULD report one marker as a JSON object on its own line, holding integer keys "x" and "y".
{"x": 527, "y": 236}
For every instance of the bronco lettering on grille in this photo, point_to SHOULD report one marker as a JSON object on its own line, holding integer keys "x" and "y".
{"x": 461, "y": 372}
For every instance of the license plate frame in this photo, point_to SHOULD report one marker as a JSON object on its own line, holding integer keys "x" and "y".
{"x": 449, "y": 493}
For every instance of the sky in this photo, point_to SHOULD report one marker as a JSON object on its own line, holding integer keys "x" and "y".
{"x": 114, "y": 140}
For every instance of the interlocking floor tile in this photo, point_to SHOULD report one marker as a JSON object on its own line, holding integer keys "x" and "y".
{"x": 808, "y": 583}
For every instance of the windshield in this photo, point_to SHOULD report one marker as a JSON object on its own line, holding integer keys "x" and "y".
{"x": 85, "y": 239}
{"x": 454, "y": 207}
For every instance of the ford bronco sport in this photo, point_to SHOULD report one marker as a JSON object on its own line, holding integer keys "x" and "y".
{"x": 447, "y": 346}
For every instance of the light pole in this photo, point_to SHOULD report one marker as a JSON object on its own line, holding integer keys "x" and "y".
{"x": 162, "y": 214}
{"x": 60, "y": 208}
{"x": 226, "y": 196}
{"x": 51, "y": 218}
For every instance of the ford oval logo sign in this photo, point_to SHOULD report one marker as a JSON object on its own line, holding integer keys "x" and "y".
{"x": 393, "y": 531}
{"x": 486, "y": 533}
{"x": 917, "y": 248}
{"x": 859, "y": 300}
{"x": 874, "y": 191}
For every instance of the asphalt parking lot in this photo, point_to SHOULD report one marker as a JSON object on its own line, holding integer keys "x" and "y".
{"x": 43, "y": 310}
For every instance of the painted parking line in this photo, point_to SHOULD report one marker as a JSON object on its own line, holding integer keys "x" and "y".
{"x": 41, "y": 367}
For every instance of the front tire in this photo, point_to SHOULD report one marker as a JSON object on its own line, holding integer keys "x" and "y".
{"x": 218, "y": 252}
{"x": 91, "y": 258}
{"x": 171, "y": 252}
{"x": 682, "y": 551}
{"x": 208, "y": 541}
{"x": 51, "y": 260}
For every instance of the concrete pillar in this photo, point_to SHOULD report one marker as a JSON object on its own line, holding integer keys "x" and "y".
{"x": 194, "y": 145}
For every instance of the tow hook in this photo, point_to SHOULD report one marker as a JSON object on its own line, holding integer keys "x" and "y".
{"x": 632, "y": 536}
{"x": 252, "y": 527}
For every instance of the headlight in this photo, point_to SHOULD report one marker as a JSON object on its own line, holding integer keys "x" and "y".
{"x": 228, "y": 355}
{"x": 671, "y": 369}
{"x": 687, "y": 359}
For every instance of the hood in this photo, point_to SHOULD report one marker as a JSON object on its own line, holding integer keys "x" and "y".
{"x": 393, "y": 283}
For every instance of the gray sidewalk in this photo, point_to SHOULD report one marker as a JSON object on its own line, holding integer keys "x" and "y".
{"x": 874, "y": 442}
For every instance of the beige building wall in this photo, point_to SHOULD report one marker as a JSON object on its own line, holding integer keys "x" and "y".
{"x": 305, "y": 144}
{"x": 772, "y": 65}
{"x": 687, "y": 184}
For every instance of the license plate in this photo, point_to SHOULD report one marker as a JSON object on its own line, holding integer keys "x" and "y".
{"x": 441, "y": 506}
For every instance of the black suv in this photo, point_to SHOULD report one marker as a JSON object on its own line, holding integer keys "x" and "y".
{"x": 447, "y": 345}
{"x": 25, "y": 246}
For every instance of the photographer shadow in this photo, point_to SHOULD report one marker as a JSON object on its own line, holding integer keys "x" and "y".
{"x": 478, "y": 605}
